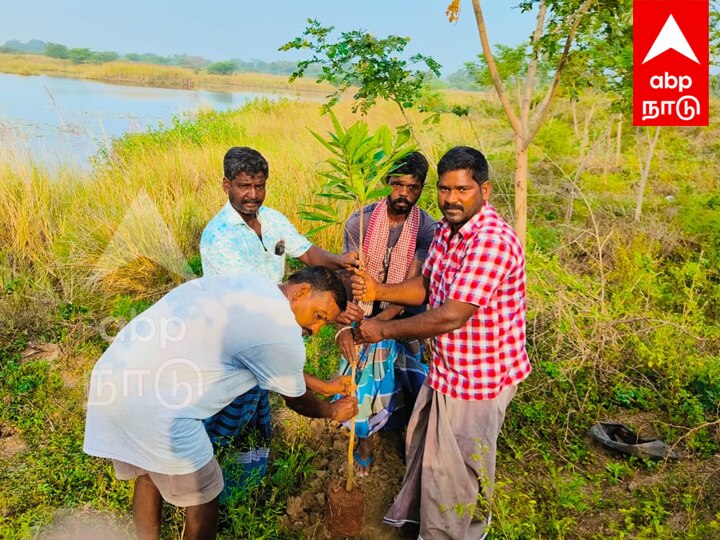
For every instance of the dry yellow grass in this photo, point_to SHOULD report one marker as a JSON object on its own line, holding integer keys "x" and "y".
{"x": 28, "y": 64}
{"x": 59, "y": 224}
{"x": 153, "y": 75}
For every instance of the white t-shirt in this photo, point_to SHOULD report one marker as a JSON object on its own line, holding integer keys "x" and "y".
{"x": 184, "y": 359}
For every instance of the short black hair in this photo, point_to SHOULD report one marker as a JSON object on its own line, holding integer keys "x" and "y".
{"x": 322, "y": 280}
{"x": 413, "y": 164}
{"x": 242, "y": 159}
{"x": 464, "y": 157}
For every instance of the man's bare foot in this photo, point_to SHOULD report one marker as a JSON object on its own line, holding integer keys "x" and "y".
{"x": 364, "y": 456}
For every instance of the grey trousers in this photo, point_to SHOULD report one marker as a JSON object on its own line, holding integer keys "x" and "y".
{"x": 450, "y": 449}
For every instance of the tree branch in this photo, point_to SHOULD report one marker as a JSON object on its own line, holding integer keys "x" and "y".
{"x": 492, "y": 68}
{"x": 413, "y": 134}
{"x": 544, "y": 107}
{"x": 532, "y": 71}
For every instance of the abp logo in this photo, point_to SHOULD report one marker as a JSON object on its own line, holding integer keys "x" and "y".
{"x": 671, "y": 77}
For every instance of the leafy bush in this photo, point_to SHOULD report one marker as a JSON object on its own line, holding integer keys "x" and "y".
{"x": 221, "y": 68}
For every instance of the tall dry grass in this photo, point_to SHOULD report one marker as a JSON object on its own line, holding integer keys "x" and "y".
{"x": 132, "y": 224}
{"x": 153, "y": 75}
{"x": 30, "y": 64}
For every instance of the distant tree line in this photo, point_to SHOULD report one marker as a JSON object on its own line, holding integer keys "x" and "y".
{"x": 462, "y": 79}
{"x": 473, "y": 76}
{"x": 196, "y": 63}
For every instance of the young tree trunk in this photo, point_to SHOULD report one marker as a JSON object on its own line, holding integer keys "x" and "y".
{"x": 521, "y": 174}
{"x": 618, "y": 141}
{"x": 608, "y": 150}
{"x": 349, "y": 468}
{"x": 525, "y": 130}
{"x": 645, "y": 173}
{"x": 573, "y": 107}
{"x": 585, "y": 142}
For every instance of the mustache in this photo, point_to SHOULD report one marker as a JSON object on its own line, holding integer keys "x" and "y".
{"x": 452, "y": 207}
{"x": 249, "y": 201}
{"x": 401, "y": 200}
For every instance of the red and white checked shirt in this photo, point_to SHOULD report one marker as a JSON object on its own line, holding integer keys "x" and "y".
{"x": 483, "y": 265}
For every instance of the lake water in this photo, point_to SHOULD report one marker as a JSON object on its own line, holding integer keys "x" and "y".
{"x": 56, "y": 120}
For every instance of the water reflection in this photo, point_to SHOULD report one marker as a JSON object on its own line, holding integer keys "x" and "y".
{"x": 221, "y": 97}
{"x": 55, "y": 120}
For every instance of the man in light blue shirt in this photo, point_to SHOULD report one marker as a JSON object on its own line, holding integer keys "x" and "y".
{"x": 246, "y": 236}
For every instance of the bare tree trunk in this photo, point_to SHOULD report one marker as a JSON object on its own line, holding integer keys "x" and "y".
{"x": 618, "y": 141}
{"x": 524, "y": 128}
{"x": 608, "y": 150}
{"x": 492, "y": 68}
{"x": 521, "y": 184}
{"x": 645, "y": 173}
{"x": 573, "y": 107}
{"x": 585, "y": 142}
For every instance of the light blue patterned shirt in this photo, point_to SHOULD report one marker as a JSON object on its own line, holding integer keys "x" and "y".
{"x": 228, "y": 244}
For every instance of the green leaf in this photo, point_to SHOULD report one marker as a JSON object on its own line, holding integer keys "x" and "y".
{"x": 325, "y": 208}
{"x": 379, "y": 193}
{"x": 336, "y": 125}
{"x": 383, "y": 134}
{"x": 311, "y": 216}
{"x": 358, "y": 187}
{"x": 319, "y": 212}
{"x": 402, "y": 138}
{"x": 334, "y": 180}
{"x": 338, "y": 166}
{"x": 337, "y": 196}
{"x": 320, "y": 228}
{"x": 325, "y": 143}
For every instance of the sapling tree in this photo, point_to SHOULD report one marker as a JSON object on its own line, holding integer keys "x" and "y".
{"x": 562, "y": 28}
{"x": 356, "y": 172}
{"x": 355, "y": 175}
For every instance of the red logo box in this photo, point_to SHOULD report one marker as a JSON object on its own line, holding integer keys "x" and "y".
{"x": 671, "y": 62}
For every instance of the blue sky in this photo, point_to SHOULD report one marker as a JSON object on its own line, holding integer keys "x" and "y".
{"x": 223, "y": 29}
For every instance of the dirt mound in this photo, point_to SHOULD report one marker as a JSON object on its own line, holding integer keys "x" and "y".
{"x": 305, "y": 512}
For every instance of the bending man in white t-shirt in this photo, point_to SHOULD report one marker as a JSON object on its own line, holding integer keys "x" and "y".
{"x": 183, "y": 360}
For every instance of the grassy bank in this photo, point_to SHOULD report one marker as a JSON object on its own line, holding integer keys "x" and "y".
{"x": 623, "y": 321}
{"x": 152, "y": 75}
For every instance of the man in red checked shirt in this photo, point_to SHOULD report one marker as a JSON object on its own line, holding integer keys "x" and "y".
{"x": 474, "y": 281}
